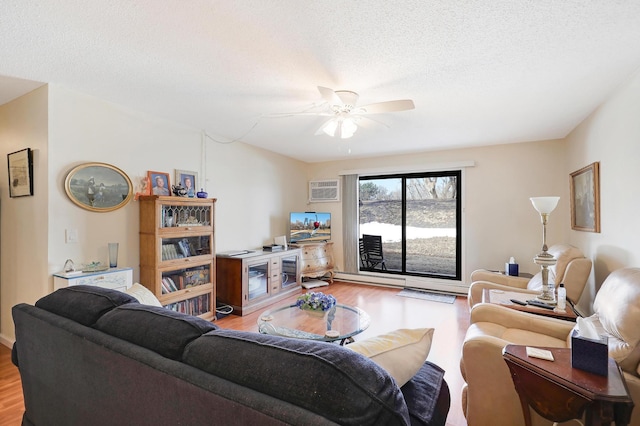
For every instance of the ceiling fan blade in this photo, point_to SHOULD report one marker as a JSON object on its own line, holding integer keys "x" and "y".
{"x": 320, "y": 130}
{"x": 389, "y": 106}
{"x": 329, "y": 95}
{"x": 293, "y": 114}
{"x": 347, "y": 97}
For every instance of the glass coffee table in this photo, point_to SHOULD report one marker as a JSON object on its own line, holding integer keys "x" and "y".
{"x": 339, "y": 323}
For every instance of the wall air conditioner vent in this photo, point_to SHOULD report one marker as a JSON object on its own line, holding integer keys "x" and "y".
{"x": 324, "y": 190}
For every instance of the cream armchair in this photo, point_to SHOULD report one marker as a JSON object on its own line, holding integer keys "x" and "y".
{"x": 571, "y": 268}
{"x": 489, "y": 397}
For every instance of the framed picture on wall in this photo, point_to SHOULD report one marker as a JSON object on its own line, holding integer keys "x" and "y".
{"x": 585, "y": 198}
{"x": 188, "y": 180}
{"x": 160, "y": 183}
{"x": 20, "y": 164}
{"x": 98, "y": 187}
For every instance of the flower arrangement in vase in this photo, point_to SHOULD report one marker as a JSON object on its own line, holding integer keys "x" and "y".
{"x": 316, "y": 302}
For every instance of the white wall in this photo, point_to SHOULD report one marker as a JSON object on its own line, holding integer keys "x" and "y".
{"x": 611, "y": 135}
{"x": 24, "y": 228}
{"x": 256, "y": 189}
{"x": 499, "y": 220}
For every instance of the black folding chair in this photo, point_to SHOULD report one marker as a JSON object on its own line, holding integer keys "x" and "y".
{"x": 372, "y": 252}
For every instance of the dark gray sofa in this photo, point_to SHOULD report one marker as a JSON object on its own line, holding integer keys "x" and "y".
{"x": 92, "y": 356}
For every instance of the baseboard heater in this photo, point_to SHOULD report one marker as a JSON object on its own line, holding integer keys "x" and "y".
{"x": 430, "y": 284}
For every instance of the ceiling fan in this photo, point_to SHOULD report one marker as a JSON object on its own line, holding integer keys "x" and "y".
{"x": 345, "y": 114}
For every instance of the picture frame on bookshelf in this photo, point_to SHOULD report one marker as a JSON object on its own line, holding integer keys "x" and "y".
{"x": 160, "y": 183}
{"x": 188, "y": 180}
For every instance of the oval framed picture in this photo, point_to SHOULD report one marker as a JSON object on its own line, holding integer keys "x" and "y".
{"x": 98, "y": 187}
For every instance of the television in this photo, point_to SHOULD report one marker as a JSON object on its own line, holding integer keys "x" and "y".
{"x": 309, "y": 226}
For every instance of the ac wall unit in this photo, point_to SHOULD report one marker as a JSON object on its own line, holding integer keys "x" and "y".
{"x": 324, "y": 190}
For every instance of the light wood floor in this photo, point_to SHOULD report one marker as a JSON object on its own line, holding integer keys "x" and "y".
{"x": 387, "y": 311}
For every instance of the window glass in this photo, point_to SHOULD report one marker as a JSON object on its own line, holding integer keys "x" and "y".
{"x": 417, "y": 219}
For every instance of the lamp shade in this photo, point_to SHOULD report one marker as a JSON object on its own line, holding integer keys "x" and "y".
{"x": 544, "y": 205}
{"x": 342, "y": 127}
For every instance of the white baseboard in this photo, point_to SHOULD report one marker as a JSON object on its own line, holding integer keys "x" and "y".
{"x": 4, "y": 340}
{"x": 433, "y": 284}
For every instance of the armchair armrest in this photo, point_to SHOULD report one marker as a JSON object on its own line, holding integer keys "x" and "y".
{"x": 475, "y": 291}
{"x": 488, "y": 380}
{"x": 498, "y": 278}
{"x": 510, "y": 318}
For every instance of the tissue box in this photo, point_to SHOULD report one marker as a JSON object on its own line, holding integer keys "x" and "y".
{"x": 590, "y": 355}
{"x": 511, "y": 269}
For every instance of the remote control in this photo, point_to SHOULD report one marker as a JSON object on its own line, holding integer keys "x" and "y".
{"x": 519, "y": 302}
{"x": 539, "y": 304}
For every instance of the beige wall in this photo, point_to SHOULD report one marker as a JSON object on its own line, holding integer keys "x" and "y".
{"x": 256, "y": 189}
{"x": 611, "y": 135}
{"x": 499, "y": 220}
{"x": 23, "y": 220}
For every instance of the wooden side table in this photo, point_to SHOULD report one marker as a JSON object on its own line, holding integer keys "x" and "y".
{"x": 560, "y": 393}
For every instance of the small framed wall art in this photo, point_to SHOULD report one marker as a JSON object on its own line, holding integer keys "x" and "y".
{"x": 188, "y": 180}
{"x": 20, "y": 165}
{"x": 98, "y": 187}
{"x": 585, "y": 198}
{"x": 160, "y": 183}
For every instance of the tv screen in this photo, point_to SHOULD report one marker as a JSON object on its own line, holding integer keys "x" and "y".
{"x": 309, "y": 226}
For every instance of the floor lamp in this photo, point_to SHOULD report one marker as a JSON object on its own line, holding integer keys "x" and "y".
{"x": 544, "y": 206}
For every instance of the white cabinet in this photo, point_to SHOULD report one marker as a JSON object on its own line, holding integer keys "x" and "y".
{"x": 114, "y": 278}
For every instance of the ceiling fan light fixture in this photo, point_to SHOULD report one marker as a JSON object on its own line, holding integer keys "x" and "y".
{"x": 342, "y": 106}
{"x": 340, "y": 127}
{"x": 330, "y": 127}
{"x": 348, "y": 127}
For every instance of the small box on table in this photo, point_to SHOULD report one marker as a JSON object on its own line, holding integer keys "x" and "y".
{"x": 590, "y": 355}
{"x": 511, "y": 269}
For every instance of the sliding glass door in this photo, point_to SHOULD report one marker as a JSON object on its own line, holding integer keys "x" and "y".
{"x": 418, "y": 219}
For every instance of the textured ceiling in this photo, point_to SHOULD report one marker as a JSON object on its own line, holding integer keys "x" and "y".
{"x": 479, "y": 72}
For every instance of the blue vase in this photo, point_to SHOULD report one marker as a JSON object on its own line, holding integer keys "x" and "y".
{"x": 202, "y": 194}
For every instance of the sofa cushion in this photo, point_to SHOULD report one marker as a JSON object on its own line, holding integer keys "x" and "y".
{"x": 143, "y": 295}
{"x": 401, "y": 352}
{"x": 325, "y": 378}
{"x": 427, "y": 396}
{"x": 158, "y": 329}
{"x": 83, "y": 303}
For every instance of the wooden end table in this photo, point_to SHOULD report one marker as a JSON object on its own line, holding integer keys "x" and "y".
{"x": 499, "y": 297}
{"x": 559, "y": 392}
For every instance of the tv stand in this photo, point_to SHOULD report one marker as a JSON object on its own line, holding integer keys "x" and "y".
{"x": 316, "y": 260}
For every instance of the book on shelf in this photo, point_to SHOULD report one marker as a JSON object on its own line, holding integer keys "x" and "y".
{"x": 169, "y": 284}
{"x": 170, "y": 252}
{"x": 195, "y": 306}
{"x": 195, "y": 277}
{"x": 273, "y": 247}
{"x": 165, "y": 288}
{"x": 184, "y": 247}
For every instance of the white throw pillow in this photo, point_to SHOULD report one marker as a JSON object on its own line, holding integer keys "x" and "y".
{"x": 143, "y": 295}
{"x": 401, "y": 352}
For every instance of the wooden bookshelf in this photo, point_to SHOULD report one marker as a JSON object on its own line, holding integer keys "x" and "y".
{"x": 177, "y": 252}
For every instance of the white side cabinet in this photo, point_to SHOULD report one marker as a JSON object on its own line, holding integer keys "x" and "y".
{"x": 114, "y": 278}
